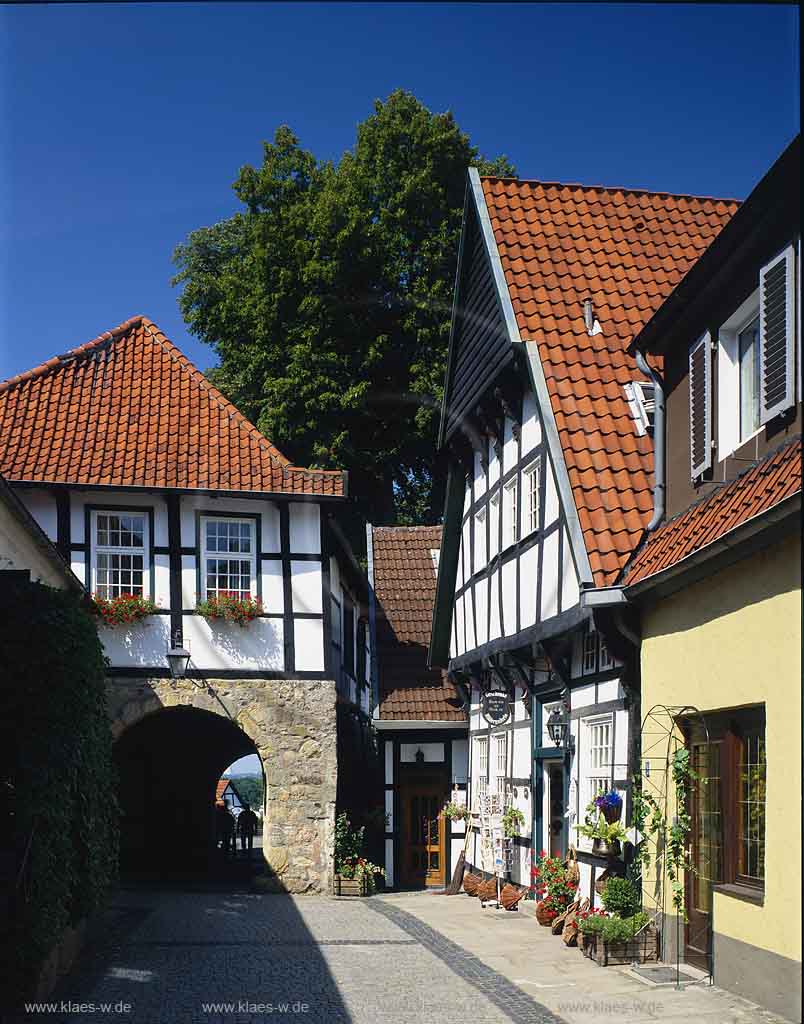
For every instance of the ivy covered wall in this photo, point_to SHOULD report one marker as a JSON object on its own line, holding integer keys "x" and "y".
{"x": 58, "y": 810}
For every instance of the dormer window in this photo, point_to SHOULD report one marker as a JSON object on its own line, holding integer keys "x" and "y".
{"x": 748, "y": 357}
{"x": 641, "y": 399}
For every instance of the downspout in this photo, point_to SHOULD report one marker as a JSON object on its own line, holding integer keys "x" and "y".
{"x": 373, "y": 664}
{"x": 658, "y": 442}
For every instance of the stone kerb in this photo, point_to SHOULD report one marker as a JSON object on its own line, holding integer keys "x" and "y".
{"x": 292, "y": 723}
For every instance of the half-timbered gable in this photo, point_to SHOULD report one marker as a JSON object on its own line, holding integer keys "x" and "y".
{"x": 550, "y": 486}
{"x": 420, "y": 718}
{"x": 152, "y": 484}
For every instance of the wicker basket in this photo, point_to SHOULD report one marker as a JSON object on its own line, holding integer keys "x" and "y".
{"x": 543, "y": 914}
{"x": 487, "y": 890}
{"x": 510, "y": 896}
{"x": 471, "y": 883}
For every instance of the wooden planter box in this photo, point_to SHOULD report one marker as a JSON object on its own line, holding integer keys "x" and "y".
{"x": 350, "y": 886}
{"x": 641, "y": 949}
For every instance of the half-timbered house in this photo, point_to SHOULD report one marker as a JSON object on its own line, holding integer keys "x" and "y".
{"x": 547, "y": 423}
{"x": 152, "y": 484}
{"x": 419, "y": 716}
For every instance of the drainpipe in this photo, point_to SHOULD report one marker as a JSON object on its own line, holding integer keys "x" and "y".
{"x": 658, "y": 441}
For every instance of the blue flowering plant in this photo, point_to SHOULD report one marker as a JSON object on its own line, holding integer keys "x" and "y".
{"x": 610, "y": 805}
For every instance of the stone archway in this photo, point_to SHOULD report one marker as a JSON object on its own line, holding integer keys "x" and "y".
{"x": 292, "y": 726}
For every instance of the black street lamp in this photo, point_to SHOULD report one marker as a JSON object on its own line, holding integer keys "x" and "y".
{"x": 558, "y": 726}
{"x": 178, "y": 656}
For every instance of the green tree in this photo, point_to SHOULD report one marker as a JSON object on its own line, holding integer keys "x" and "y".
{"x": 327, "y": 299}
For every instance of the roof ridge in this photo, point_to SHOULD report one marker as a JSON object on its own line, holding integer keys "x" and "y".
{"x": 56, "y": 362}
{"x": 610, "y": 188}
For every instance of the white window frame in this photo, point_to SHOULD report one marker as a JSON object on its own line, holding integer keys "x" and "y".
{"x": 480, "y": 764}
{"x": 728, "y": 377}
{"x": 510, "y": 506}
{"x": 532, "y": 474}
{"x": 241, "y": 556}
{"x": 594, "y": 777}
{"x": 112, "y": 549}
{"x": 704, "y": 343}
{"x": 500, "y": 762}
{"x": 642, "y": 406}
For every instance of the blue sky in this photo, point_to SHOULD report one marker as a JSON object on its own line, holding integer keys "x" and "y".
{"x": 123, "y": 126}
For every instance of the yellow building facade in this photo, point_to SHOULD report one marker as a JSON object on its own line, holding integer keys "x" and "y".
{"x": 733, "y": 641}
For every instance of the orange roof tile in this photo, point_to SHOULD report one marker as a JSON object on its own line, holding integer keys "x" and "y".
{"x": 626, "y": 251}
{"x": 404, "y": 586}
{"x": 128, "y": 409}
{"x": 756, "y": 490}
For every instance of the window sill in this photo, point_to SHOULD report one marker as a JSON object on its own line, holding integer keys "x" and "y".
{"x": 746, "y": 893}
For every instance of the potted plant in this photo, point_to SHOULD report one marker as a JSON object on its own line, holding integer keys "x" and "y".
{"x": 589, "y": 924}
{"x": 512, "y": 820}
{"x": 621, "y": 897}
{"x": 230, "y": 608}
{"x": 552, "y": 888}
{"x": 625, "y": 940}
{"x": 606, "y": 835}
{"x": 456, "y": 812}
{"x": 610, "y": 805}
{"x": 354, "y": 874}
{"x": 123, "y": 609}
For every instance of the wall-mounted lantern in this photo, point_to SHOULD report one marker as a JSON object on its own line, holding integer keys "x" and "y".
{"x": 178, "y": 656}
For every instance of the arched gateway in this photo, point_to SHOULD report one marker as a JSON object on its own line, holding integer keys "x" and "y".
{"x": 192, "y": 531}
{"x": 173, "y": 739}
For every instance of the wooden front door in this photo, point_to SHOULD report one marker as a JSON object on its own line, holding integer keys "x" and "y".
{"x": 706, "y": 852}
{"x": 423, "y": 835}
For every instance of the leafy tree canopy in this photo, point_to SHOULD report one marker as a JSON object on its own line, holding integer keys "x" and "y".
{"x": 327, "y": 299}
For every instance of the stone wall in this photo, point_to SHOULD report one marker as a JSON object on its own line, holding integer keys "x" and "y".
{"x": 292, "y": 724}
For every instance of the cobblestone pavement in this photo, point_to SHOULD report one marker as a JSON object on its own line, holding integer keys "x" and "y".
{"x": 168, "y": 957}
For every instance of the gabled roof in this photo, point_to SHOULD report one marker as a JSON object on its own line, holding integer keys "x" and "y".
{"x": 626, "y": 250}
{"x": 129, "y": 410}
{"x": 404, "y": 579}
{"x": 754, "y": 492}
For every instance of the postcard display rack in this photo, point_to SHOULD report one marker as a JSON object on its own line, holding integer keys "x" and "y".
{"x": 495, "y": 849}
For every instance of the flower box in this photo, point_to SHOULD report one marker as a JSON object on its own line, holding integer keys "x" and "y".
{"x": 351, "y": 886}
{"x": 644, "y": 947}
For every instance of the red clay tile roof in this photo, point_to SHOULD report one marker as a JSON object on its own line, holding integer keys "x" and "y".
{"x": 404, "y": 586}
{"x": 626, "y": 250}
{"x": 220, "y": 789}
{"x": 128, "y": 409}
{"x": 756, "y": 490}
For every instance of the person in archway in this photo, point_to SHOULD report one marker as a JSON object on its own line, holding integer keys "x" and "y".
{"x": 224, "y": 828}
{"x": 246, "y": 826}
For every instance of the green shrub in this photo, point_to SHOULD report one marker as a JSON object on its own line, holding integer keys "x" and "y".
{"x": 59, "y": 826}
{"x": 621, "y": 897}
{"x": 621, "y": 929}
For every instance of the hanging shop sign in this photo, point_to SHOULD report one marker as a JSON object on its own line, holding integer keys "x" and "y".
{"x": 496, "y": 707}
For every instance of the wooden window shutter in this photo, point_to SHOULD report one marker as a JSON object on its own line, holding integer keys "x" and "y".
{"x": 777, "y": 335}
{"x": 700, "y": 405}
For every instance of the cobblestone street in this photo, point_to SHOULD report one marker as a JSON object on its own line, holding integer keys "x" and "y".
{"x": 170, "y": 957}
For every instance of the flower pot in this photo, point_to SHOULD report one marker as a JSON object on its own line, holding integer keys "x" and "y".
{"x": 644, "y": 947}
{"x": 604, "y": 849}
{"x": 611, "y": 814}
{"x": 543, "y": 915}
{"x": 350, "y": 886}
{"x": 586, "y": 944}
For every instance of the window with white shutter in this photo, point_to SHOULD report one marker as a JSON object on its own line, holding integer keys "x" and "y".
{"x": 776, "y": 335}
{"x": 700, "y": 379}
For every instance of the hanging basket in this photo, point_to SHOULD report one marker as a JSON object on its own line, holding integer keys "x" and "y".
{"x": 557, "y": 927}
{"x": 569, "y": 935}
{"x": 510, "y": 896}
